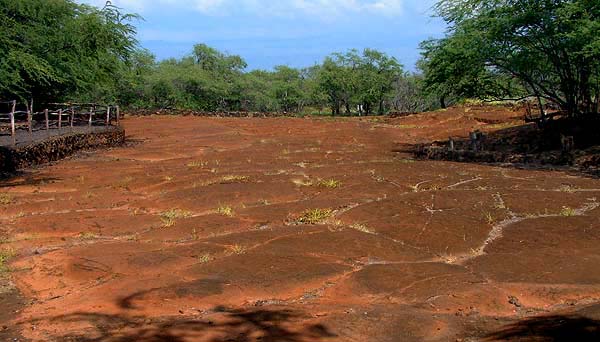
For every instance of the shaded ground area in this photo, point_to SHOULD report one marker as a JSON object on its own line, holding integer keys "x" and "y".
{"x": 504, "y": 137}
{"x": 280, "y": 229}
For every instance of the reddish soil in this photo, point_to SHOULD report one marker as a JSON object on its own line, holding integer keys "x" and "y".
{"x": 411, "y": 250}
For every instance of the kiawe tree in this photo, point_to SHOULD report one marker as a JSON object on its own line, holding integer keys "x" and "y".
{"x": 365, "y": 80}
{"x": 58, "y": 49}
{"x": 548, "y": 49}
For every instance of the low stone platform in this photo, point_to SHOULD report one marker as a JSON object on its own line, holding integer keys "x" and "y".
{"x": 56, "y": 147}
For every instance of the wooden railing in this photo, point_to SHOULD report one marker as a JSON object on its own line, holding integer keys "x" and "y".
{"x": 61, "y": 117}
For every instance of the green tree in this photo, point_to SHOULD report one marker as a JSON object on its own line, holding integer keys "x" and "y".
{"x": 377, "y": 74}
{"x": 550, "y": 47}
{"x": 58, "y": 49}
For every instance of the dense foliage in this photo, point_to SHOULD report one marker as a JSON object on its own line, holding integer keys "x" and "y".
{"x": 546, "y": 49}
{"x": 211, "y": 80}
{"x": 57, "y": 49}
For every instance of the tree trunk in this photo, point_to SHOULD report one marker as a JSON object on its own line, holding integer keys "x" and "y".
{"x": 443, "y": 102}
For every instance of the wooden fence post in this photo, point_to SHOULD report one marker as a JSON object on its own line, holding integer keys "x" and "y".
{"x": 59, "y": 120}
{"x": 47, "y": 123}
{"x": 92, "y": 109}
{"x": 72, "y": 117}
{"x": 107, "y": 115}
{"x": 118, "y": 115}
{"x": 30, "y": 119}
{"x": 12, "y": 122}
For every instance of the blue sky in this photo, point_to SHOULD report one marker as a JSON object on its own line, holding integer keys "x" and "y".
{"x": 298, "y": 33}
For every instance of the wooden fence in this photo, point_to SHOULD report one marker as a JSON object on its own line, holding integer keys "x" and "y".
{"x": 61, "y": 117}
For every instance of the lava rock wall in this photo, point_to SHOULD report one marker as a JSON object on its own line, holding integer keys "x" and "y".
{"x": 56, "y": 148}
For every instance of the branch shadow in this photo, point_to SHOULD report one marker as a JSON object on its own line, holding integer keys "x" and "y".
{"x": 557, "y": 328}
{"x": 225, "y": 325}
{"x": 22, "y": 178}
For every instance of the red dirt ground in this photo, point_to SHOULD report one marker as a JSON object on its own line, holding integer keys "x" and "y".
{"x": 410, "y": 250}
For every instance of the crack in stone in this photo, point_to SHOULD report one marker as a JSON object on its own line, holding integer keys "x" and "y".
{"x": 497, "y": 231}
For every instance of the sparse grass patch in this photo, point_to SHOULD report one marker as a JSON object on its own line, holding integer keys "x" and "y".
{"x": 5, "y": 254}
{"x": 238, "y": 249}
{"x": 407, "y": 126}
{"x": 225, "y": 210}
{"x": 568, "y": 188}
{"x": 88, "y": 236}
{"x": 362, "y": 228}
{"x": 568, "y": 212}
{"x": 196, "y": 164}
{"x": 230, "y": 179}
{"x": 5, "y": 199}
{"x": 168, "y": 178}
{"x": 169, "y": 217}
{"x": 489, "y": 218}
{"x": 314, "y": 216}
{"x": 205, "y": 258}
{"x": 124, "y": 183}
{"x": 329, "y": 183}
{"x": 234, "y": 179}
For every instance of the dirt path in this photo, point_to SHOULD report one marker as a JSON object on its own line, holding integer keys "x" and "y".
{"x": 298, "y": 230}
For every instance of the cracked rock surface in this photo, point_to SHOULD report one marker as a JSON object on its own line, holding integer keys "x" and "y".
{"x": 281, "y": 229}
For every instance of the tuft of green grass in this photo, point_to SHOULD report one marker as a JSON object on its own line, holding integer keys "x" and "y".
{"x": 169, "y": 217}
{"x": 314, "y": 216}
{"x": 568, "y": 212}
{"x": 88, "y": 236}
{"x": 225, "y": 210}
{"x": 330, "y": 183}
{"x": 205, "y": 258}
{"x": 489, "y": 218}
{"x": 5, "y": 199}
{"x": 5, "y": 255}
{"x": 238, "y": 249}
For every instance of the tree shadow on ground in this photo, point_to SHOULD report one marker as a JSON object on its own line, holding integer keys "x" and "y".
{"x": 23, "y": 179}
{"x": 224, "y": 325}
{"x": 558, "y": 328}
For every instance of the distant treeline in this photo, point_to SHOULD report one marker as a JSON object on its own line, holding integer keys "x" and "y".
{"x": 353, "y": 82}
{"x": 57, "y": 50}
{"x": 62, "y": 51}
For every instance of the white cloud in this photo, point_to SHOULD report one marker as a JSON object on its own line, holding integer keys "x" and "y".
{"x": 320, "y": 8}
